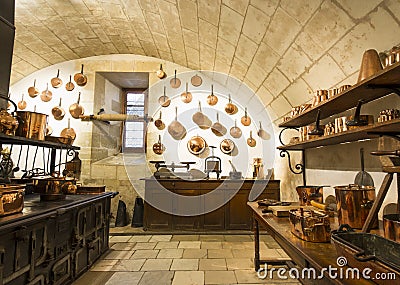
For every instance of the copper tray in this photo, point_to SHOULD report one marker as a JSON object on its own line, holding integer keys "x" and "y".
{"x": 364, "y": 250}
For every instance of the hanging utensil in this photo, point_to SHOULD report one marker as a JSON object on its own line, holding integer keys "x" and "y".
{"x": 16, "y": 169}
{"x": 164, "y": 101}
{"x": 227, "y": 146}
{"x": 196, "y": 81}
{"x": 186, "y": 96}
{"x": 33, "y": 91}
{"x": 235, "y": 131}
{"x": 22, "y": 104}
{"x": 176, "y": 129}
{"x": 56, "y": 82}
{"x": 80, "y": 78}
{"x": 196, "y": 145}
{"x": 251, "y": 141}
{"x": 212, "y": 99}
{"x": 175, "y": 82}
{"x": 161, "y": 73}
{"x": 159, "y": 123}
{"x": 75, "y": 109}
{"x": 58, "y": 112}
{"x": 46, "y": 94}
{"x": 217, "y": 128}
{"x": 70, "y": 86}
{"x": 68, "y": 133}
{"x": 230, "y": 108}
{"x": 363, "y": 178}
{"x": 201, "y": 120}
{"x": 158, "y": 147}
{"x": 263, "y": 134}
{"x": 246, "y": 121}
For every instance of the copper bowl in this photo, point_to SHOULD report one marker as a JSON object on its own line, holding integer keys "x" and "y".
{"x": 196, "y": 145}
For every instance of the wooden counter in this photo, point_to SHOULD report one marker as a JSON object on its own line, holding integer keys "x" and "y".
{"x": 165, "y": 211}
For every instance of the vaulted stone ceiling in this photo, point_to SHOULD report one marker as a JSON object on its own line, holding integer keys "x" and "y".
{"x": 283, "y": 49}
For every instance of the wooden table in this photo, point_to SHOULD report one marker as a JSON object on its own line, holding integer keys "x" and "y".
{"x": 303, "y": 254}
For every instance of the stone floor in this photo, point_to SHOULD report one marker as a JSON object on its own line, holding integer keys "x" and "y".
{"x": 183, "y": 260}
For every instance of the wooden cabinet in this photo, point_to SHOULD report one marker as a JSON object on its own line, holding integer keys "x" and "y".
{"x": 220, "y": 204}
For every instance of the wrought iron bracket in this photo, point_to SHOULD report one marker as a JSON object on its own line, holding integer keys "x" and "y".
{"x": 395, "y": 88}
{"x": 299, "y": 167}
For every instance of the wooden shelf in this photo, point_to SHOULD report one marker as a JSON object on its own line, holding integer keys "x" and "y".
{"x": 4, "y": 139}
{"x": 360, "y": 133}
{"x": 349, "y": 98}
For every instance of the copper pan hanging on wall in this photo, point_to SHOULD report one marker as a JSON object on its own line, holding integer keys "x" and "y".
{"x": 235, "y": 131}
{"x": 201, "y": 120}
{"x": 196, "y": 80}
{"x": 80, "y": 78}
{"x": 186, "y": 96}
{"x": 58, "y": 112}
{"x": 159, "y": 123}
{"x": 56, "y": 82}
{"x": 196, "y": 145}
{"x": 175, "y": 82}
{"x": 176, "y": 129}
{"x": 33, "y": 91}
{"x": 158, "y": 147}
{"x": 164, "y": 100}
{"x": 212, "y": 99}
{"x": 46, "y": 94}
{"x": 217, "y": 128}
{"x": 70, "y": 86}
{"x": 75, "y": 109}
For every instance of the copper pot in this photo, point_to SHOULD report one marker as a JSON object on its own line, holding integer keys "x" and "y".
{"x": 227, "y": 146}
{"x": 69, "y": 86}
{"x": 80, "y": 78}
{"x": 196, "y": 145}
{"x": 158, "y": 147}
{"x": 212, "y": 99}
{"x": 22, "y": 104}
{"x": 160, "y": 73}
{"x": 230, "y": 108}
{"x": 32, "y": 125}
{"x": 33, "y": 91}
{"x": 68, "y": 133}
{"x": 246, "y": 121}
{"x": 235, "y": 131}
{"x": 53, "y": 185}
{"x": 11, "y": 199}
{"x": 47, "y": 95}
{"x": 251, "y": 142}
{"x": 75, "y": 109}
{"x": 310, "y": 225}
{"x": 186, "y": 96}
{"x": 354, "y": 203}
{"x": 159, "y": 123}
{"x": 217, "y": 128}
{"x": 163, "y": 100}
{"x": 391, "y": 226}
{"x": 308, "y": 194}
{"x": 58, "y": 112}
{"x": 56, "y": 82}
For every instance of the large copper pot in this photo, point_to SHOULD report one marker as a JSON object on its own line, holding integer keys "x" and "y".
{"x": 354, "y": 203}
{"x": 310, "y": 225}
{"x": 391, "y": 226}
{"x": 11, "y": 199}
{"x": 308, "y": 194}
{"x": 32, "y": 125}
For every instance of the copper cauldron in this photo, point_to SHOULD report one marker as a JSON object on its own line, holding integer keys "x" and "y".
{"x": 32, "y": 125}
{"x": 391, "y": 226}
{"x": 308, "y": 193}
{"x": 354, "y": 203}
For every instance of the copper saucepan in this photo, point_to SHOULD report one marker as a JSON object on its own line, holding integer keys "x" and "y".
{"x": 175, "y": 82}
{"x": 186, "y": 96}
{"x": 212, "y": 99}
{"x": 163, "y": 100}
{"x": 47, "y": 95}
{"x": 70, "y": 86}
{"x": 33, "y": 91}
{"x": 251, "y": 141}
{"x": 68, "y": 133}
{"x": 201, "y": 120}
{"x": 58, "y": 112}
{"x": 196, "y": 81}
{"x": 80, "y": 78}
{"x": 230, "y": 108}
{"x": 246, "y": 121}
{"x": 158, "y": 147}
{"x": 75, "y": 109}
{"x": 235, "y": 131}
{"x": 161, "y": 73}
{"x": 22, "y": 104}
{"x": 196, "y": 145}
{"x": 159, "y": 123}
{"x": 56, "y": 82}
{"x": 217, "y": 128}
{"x": 263, "y": 134}
{"x": 176, "y": 129}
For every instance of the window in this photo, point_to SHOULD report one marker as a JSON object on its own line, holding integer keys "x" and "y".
{"x": 135, "y": 132}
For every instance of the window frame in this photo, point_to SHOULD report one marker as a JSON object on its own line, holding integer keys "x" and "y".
{"x": 125, "y": 92}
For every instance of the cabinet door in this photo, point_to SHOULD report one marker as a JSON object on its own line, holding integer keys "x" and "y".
{"x": 214, "y": 220}
{"x": 237, "y": 213}
{"x": 185, "y": 219}
{"x": 156, "y": 218}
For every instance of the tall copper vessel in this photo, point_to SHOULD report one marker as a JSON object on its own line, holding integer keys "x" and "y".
{"x": 391, "y": 226}
{"x": 354, "y": 203}
{"x": 32, "y": 125}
